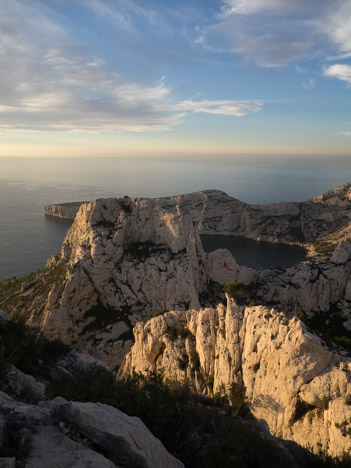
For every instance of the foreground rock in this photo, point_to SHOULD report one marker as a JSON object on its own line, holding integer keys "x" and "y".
{"x": 67, "y": 434}
{"x": 292, "y": 381}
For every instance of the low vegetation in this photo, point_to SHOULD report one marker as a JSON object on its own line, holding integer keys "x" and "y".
{"x": 199, "y": 430}
{"x": 238, "y": 291}
{"x": 26, "y": 348}
{"x": 160, "y": 312}
{"x": 324, "y": 248}
{"x": 203, "y": 431}
{"x": 329, "y": 326}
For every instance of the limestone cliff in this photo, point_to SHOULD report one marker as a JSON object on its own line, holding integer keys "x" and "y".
{"x": 63, "y": 210}
{"x": 124, "y": 259}
{"x": 215, "y": 212}
{"x": 292, "y": 380}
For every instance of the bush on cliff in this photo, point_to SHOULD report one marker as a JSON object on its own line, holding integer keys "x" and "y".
{"x": 24, "y": 347}
{"x": 200, "y": 431}
{"x": 238, "y": 291}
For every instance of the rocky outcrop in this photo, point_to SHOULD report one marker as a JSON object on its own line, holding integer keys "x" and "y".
{"x": 292, "y": 380}
{"x": 215, "y": 212}
{"x": 125, "y": 259}
{"x": 314, "y": 288}
{"x": 63, "y": 210}
{"x": 121, "y": 261}
{"x": 66, "y": 434}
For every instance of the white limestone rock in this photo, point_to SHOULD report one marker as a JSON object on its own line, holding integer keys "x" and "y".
{"x": 125, "y": 440}
{"x": 124, "y": 259}
{"x": 342, "y": 253}
{"x": 293, "y": 381}
{"x": 69, "y": 434}
{"x": 50, "y": 447}
{"x": 63, "y": 210}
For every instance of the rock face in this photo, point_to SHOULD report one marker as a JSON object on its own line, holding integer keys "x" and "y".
{"x": 124, "y": 259}
{"x": 215, "y": 212}
{"x": 63, "y": 210}
{"x": 299, "y": 387}
{"x": 68, "y": 434}
{"x": 314, "y": 288}
{"x": 121, "y": 261}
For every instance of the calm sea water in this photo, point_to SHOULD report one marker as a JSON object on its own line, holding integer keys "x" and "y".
{"x": 255, "y": 254}
{"x": 27, "y": 238}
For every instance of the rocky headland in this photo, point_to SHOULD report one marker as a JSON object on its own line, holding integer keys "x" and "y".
{"x": 124, "y": 260}
{"x": 63, "y": 210}
{"x": 215, "y": 212}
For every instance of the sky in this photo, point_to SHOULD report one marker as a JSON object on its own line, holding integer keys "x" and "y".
{"x": 111, "y": 78}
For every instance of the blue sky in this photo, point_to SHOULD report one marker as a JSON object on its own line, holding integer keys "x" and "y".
{"x": 162, "y": 78}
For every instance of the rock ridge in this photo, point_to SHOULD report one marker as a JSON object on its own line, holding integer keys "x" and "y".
{"x": 215, "y": 212}
{"x": 292, "y": 380}
{"x": 124, "y": 259}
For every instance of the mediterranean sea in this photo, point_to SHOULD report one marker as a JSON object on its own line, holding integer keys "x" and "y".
{"x": 28, "y": 238}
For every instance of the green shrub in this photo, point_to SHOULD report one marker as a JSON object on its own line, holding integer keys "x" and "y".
{"x": 160, "y": 312}
{"x": 324, "y": 248}
{"x": 181, "y": 332}
{"x": 343, "y": 340}
{"x": 23, "y": 346}
{"x": 203, "y": 433}
{"x": 237, "y": 396}
{"x": 301, "y": 316}
{"x": 237, "y": 291}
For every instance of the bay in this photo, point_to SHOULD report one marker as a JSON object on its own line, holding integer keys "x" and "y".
{"x": 254, "y": 254}
{"x": 28, "y": 238}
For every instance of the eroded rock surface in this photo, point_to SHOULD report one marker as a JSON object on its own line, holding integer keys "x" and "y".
{"x": 292, "y": 380}
{"x": 124, "y": 259}
{"x": 121, "y": 261}
{"x": 215, "y": 212}
{"x": 68, "y": 434}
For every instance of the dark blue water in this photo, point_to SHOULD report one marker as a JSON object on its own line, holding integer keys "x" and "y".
{"x": 27, "y": 238}
{"x": 254, "y": 254}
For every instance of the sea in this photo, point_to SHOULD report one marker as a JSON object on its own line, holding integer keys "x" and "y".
{"x": 28, "y": 238}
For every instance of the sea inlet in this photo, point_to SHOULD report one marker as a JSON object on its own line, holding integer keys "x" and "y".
{"x": 255, "y": 254}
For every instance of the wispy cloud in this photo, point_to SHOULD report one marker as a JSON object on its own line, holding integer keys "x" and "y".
{"x": 310, "y": 84}
{"x": 341, "y": 71}
{"x": 274, "y": 33}
{"x": 346, "y": 133}
{"x": 221, "y": 107}
{"x": 49, "y": 82}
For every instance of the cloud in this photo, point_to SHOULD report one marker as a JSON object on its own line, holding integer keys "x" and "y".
{"x": 221, "y": 107}
{"x": 51, "y": 82}
{"x": 310, "y": 84}
{"x": 244, "y": 7}
{"x": 347, "y": 134}
{"x": 341, "y": 71}
{"x": 275, "y": 33}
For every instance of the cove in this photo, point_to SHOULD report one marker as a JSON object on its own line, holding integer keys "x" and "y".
{"x": 255, "y": 254}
